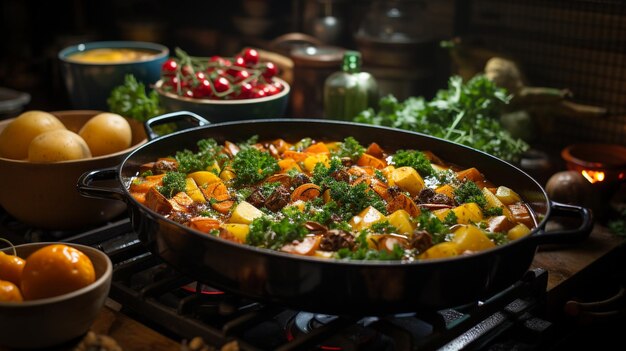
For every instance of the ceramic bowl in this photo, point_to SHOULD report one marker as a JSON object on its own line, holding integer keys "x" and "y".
{"x": 48, "y": 322}
{"x": 89, "y": 84}
{"x": 44, "y": 195}
{"x": 273, "y": 106}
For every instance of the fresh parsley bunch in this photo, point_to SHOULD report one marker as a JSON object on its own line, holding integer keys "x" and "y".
{"x": 465, "y": 113}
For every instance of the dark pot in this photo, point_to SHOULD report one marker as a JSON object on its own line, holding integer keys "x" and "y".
{"x": 334, "y": 286}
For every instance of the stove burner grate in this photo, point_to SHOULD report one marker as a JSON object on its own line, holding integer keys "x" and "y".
{"x": 178, "y": 306}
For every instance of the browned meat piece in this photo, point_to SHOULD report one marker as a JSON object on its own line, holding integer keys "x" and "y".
{"x": 157, "y": 202}
{"x": 279, "y": 199}
{"x": 499, "y": 224}
{"x": 336, "y": 239}
{"x": 425, "y": 196}
{"x": 442, "y": 199}
{"x": 165, "y": 165}
{"x": 299, "y": 179}
{"x": 256, "y": 199}
{"x": 341, "y": 175}
{"x": 421, "y": 241}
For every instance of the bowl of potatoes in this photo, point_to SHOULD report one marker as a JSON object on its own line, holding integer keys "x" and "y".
{"x": 42, "y": 154}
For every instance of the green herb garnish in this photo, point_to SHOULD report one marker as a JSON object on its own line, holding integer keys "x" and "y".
{"x": 466, "y": 113}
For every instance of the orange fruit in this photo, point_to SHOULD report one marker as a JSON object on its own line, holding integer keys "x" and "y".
{"x": 11, "y": 268}
{"x": 9, "y": 292}
{"x": 54, "y": 270}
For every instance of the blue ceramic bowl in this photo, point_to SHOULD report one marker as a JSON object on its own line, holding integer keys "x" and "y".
{"x": 274, "y": 106}
{"x": 89, "y": 84}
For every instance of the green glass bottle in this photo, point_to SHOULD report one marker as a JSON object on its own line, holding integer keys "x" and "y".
{"x": 349, "y": 91}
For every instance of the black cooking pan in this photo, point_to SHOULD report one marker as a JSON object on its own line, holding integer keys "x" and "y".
{"x": 334, "y": 286}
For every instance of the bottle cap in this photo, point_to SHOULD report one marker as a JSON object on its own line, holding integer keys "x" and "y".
{"x": 351, "y": 61}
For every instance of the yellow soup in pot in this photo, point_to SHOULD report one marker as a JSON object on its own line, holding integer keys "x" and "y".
{"x": 112, "y": 55}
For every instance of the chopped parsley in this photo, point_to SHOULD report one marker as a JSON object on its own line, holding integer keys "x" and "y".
{"x": 363, "y": 252}
{"x": 208, "y": 153}
{"x": 173, "y": 183}
{"x": 468, "y": 191}
{"x": 350, "y": 148}
{"x": 252, "y": 165}
{"x": 415, "y": 159}
{"x": 268, "y": 233}
{"x": 430, "y": 223}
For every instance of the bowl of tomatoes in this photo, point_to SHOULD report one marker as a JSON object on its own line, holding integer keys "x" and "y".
{"x": 223, "y": 88}
{"x": 50, "y": 292}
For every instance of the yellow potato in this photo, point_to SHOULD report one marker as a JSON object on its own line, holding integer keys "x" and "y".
{"x": 18, "y": 134}
{"x": 106, "y": 133}
{"x": 57, "y": 145}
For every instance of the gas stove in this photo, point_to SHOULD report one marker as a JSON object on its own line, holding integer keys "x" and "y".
{"x": 152, "y": 292}
{"x": 149, "y": 290}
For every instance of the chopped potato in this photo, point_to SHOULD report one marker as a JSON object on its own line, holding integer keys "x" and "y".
{"x": 245, "y": 213}
{"x": 204, "y": 178}
{"x": 507, "y": 196}
{"x": 238, "y": 230}
{"x": 471, "y": 238}
{"x": 520, "y": 230}
{"x": 407, "y": 179}
{"x": 366, "y": 218}
{"x": 441, "y": 250}
{"x": 468, "y": 213}
{"x": 401, "y": 219}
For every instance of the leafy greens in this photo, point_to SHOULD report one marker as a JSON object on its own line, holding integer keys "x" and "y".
{"x": 465, "y": 113}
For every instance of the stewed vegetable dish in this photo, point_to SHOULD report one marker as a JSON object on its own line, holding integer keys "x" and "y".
{"x": 333, "y": 199}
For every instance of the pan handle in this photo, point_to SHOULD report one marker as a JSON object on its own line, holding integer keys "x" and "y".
{"x": 191, "y": 120}
{"x": 85, "y": 188}
{"x": 567, "y": 236}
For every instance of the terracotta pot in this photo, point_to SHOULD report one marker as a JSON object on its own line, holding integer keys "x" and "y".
{"x": 44, "y": 195}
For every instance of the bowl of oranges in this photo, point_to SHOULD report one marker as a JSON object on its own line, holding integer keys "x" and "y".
{"x": 50, "y": 292}
{"x": 42, "y": 155}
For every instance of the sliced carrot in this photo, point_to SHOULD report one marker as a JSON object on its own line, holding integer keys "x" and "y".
{"x": 317, "y": 148}
{"x": 403, "y": 202}
{"x": 371, "y": 161}
{"x": 283, "y": 179}
{"x": 306, "y": 192}
{"x": 361, "y": 171}
{"x": 183, "y": 199}
{"x": 287, "y": 164}
{"x": 217, "y": 194}
{"x": 375, "y": 150}
{"x": 381, "y": 189}
{"x": 472, "y": 174}
{"x": 140, "y": 197}
{"x": 446, "y": 189}
{"x": 295, "y": 155}
{"x": 204, "y": 224}
{"x": 143, "y": 185}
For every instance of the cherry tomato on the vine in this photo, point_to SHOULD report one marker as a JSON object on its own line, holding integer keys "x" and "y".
{"x": 203, "y": 90}
{"x": 251, "y": 57}
{"x": 270, "y": 70}
{"x": 221, "y": 84}
{"x": 169, "y": 67}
